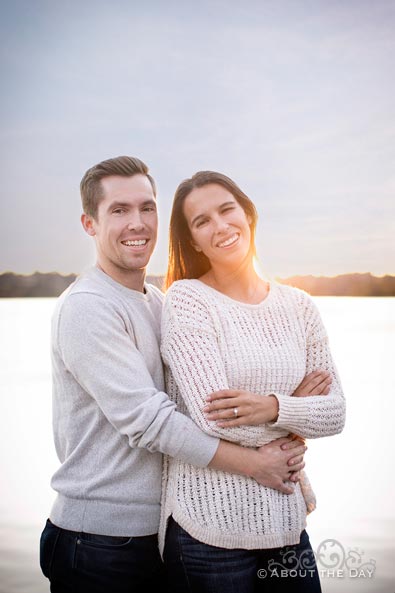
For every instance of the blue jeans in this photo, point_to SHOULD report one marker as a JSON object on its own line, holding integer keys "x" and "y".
{"x": 195, "y": 567}
{"x": 88, "y": 563}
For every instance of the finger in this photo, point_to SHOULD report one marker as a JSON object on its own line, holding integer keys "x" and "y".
{"x": 292, "y": 445}
{"x": 239, "y": 421}
{"x": 316, "y": 381}
{"x": 223, "y": 404}
{"x": 222, "y": 394}
{"x": 312, "y": 381}
{"x": 286, "y": 488}
{"x": 322, "y": 391}
{"x": 295, "y": 476}
{"x": 296, "y": 451}
{"x": 295, "y": 460}
{"x": 298, "y": 467}
{"x": 226, "y": 413}
{"x": 322, "y": 385}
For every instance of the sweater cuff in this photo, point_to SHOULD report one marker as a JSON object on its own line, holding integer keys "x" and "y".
{"x": 293, "y": 413}
{"x": 197, "y": 447}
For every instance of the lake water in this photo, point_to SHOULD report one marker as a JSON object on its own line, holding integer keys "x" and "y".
{"x": 352, "y": 473}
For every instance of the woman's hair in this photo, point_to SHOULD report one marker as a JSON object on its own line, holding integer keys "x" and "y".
{"x": 184, "y": 260}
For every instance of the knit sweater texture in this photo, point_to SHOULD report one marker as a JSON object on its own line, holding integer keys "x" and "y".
{"x": 112, "y": 419}
{"x": 212, "y": 342}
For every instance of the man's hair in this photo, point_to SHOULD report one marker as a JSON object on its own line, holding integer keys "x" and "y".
{"x": 91, "y": 187}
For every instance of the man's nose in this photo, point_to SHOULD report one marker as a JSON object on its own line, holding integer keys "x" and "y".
{"x": 135, "y": 222}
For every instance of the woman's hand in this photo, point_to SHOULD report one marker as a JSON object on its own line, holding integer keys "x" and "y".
{"x": 236, "y": 407}
{"x": 315, "y": 383}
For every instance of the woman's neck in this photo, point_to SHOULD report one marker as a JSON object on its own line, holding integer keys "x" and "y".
{"x": 242, "y": 284}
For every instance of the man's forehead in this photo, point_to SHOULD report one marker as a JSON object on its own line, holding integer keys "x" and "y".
{"x": 136, "y": 188}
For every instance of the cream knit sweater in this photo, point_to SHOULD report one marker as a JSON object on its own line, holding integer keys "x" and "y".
{"x": 212, "y": 342}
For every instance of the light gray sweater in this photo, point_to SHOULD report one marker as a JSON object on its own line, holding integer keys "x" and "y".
{"x": 111, "y": 417}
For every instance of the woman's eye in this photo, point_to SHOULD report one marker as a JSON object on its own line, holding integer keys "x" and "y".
{"x": 228, "y": 208}
{"x": 201, "y": 223}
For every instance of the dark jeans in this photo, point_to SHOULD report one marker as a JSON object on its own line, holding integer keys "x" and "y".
{"x": 87, "y": 563}
{"x": 195, "y": 567}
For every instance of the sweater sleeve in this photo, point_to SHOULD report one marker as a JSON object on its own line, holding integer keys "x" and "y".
{"x": 104, "y": 359}
{"x": 190, "y": 350}
{"x": 321, "y": 415}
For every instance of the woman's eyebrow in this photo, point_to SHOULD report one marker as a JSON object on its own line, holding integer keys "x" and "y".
{"x": 202, "y": 215}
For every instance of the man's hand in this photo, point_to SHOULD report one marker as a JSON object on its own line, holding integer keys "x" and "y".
{"x": 275, "y": 465}
{"x": 281, "y": 463}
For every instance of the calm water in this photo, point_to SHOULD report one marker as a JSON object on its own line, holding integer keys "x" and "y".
{"x": 352, "y": 473}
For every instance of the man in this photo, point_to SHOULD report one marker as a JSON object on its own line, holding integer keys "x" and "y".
{"x": 112, "y": 419}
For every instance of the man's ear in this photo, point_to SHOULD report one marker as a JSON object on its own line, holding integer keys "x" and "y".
{"x": 87, "y": 223}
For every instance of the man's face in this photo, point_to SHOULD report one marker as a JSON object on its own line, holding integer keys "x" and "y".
{"x": 125, "y": 228}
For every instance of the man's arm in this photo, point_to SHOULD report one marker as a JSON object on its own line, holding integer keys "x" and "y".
{"x": 102, "y": 357}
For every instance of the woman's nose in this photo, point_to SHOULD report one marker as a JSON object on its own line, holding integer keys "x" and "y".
{"x": 221, "y": 225}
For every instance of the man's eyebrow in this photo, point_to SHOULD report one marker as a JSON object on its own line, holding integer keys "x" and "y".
{"x": 203, "y": 215}
{"x": 118, "y": 204}
{"x": 149, "y": 203}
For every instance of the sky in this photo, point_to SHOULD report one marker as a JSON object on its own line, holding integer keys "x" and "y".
{"x": 295, "y": 101}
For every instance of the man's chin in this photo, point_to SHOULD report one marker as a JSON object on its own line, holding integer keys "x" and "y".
{"x": 138, "y": 264}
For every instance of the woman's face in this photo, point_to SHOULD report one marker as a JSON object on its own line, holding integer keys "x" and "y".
{"x": 218, "y": 225}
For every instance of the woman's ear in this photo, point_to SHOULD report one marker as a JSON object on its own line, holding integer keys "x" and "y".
{"x": 196, "y": 247}
{"x": 249, "y": 219}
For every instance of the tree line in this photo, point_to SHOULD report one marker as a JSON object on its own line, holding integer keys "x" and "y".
{"x": 53, "y": 284}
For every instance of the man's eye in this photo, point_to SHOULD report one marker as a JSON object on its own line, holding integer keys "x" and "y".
{"x": 118, "y": 211}
{"x": 149, "y": 209}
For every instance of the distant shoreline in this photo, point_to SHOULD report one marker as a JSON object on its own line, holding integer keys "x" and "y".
{"x": 53, "y": 284}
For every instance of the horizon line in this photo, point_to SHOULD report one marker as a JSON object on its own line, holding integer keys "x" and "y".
{"x": 65, "y": 274}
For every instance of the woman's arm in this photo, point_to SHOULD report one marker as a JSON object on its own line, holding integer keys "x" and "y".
{"x": 315, "y": 416}
{"x": 233, "y": 407}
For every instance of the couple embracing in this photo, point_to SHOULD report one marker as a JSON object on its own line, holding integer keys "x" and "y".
{"x": 185, "y": 476}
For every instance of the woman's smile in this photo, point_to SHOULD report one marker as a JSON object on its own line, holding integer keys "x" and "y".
{"x": 230, "y": 241}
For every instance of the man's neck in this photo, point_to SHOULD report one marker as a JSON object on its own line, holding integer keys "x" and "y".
{"x": 132, "y": 279}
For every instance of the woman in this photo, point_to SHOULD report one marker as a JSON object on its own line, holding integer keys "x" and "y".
{"x": 225, "y": 328}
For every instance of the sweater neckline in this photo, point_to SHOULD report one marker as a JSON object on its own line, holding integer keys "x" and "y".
{"x": 129, "y": 292}
{"x": 229, "y": 299}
